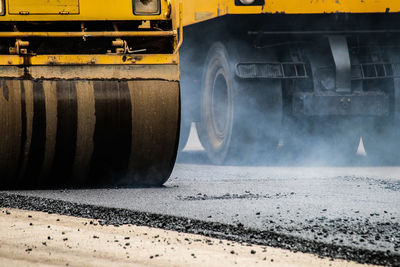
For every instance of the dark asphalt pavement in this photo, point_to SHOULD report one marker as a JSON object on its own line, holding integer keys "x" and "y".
{"x": 352, "y": 206}
{"x": 356, "y": 207}
{"x": 344, "y": 212}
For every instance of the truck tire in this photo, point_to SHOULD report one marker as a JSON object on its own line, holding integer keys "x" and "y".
{"x": 238, "y": 123}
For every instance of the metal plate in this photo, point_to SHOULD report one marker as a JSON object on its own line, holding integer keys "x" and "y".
{"x": 330, "y": 104}
{"x": 28, "y": 7}
{"x": 272, "y": 70}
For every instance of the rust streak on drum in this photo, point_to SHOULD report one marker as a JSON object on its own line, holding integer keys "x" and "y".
{"x": 85, "y": 131}
{"x": 50, "y": 93}
{"x": 28, "y": 102}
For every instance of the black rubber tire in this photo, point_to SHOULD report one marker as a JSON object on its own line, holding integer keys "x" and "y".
{"x": 235, "y": 125}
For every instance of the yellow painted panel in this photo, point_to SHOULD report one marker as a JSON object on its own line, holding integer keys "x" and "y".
{"x": 200, "y": 10}
{"x": 111, "y": 59}
{"x": 89, "y": 10}
{"x": 43, "y": 6}
{"x": 326, "y": 6}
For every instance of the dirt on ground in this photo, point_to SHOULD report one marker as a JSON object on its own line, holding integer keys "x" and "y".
{"x": 40, "y": 239}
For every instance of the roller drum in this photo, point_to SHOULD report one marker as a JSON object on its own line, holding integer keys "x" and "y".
{"x": 87, "y": 132}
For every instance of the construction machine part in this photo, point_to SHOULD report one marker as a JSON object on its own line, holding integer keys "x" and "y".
{"x": 323, "y": 68}
{"x": 321, "y": 117}
{"x": 240, "y": 120}
{"x": 337, "y": 104}
{"x": 94, "y": 132}
{"x": 89, "y": 93}
{"x": 381, "y": 134}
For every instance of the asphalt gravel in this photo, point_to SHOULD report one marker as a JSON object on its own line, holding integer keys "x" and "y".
{"x": 351, "y": 213}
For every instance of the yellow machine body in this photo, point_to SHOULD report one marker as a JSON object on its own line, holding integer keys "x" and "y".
{"x": 285, "y": 64}
{"x": 77, "y": 10}
{"x": 89, "y": 92}
{"x": 197, "y": 10}
{"x": 86, "y": 11}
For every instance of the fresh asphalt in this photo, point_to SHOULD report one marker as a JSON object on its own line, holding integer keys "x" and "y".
{"x": 345, "y": 212}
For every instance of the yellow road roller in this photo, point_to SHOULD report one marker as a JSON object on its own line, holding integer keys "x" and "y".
{"x": 263, "y": 78}
{"x": 89, "y": 92}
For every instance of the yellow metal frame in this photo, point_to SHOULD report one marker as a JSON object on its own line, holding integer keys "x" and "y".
{"x": 134, "y": 59}
{"x": 102, "y": 10}
{"x": 180, "y": 42}
{"x": 115, "y": 34}
{"x": 200, "y": 10}
{"x": 43, "y": 6}
{"x": 93, "y": 10}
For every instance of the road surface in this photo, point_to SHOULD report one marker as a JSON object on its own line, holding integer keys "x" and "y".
{"x": 348, "y": 212}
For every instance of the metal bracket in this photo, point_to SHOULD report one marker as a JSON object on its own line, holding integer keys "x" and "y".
{"x": 374, "y": 71}
{"x": 83, "y": 28}
{"x": 17, "y": 49}
{"x": 338, "y": 104}
{"x": 272, "y": 70}
{"x": 180, "y": 38}
{"x": 123, "y": 48}
{"x": 341, "y": 56}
